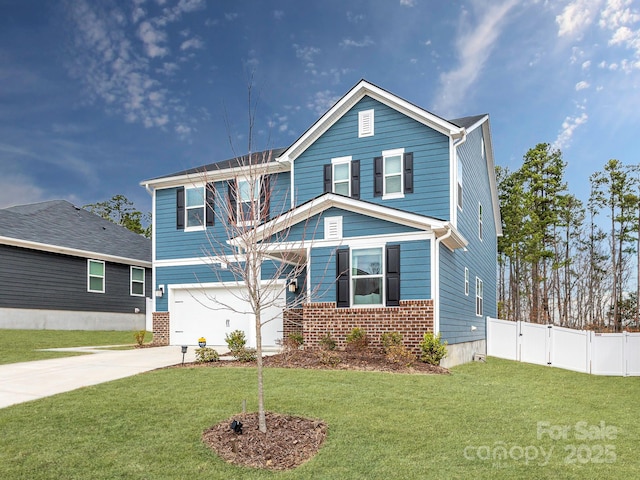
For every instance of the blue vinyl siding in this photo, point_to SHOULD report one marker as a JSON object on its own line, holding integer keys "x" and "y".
{"x": 415, "y": 271}
{"x": 353, "y": 225}
{"x": 457, "y": 311}
{"x": 392, "y": 130}
{"x": 172, "y": 243}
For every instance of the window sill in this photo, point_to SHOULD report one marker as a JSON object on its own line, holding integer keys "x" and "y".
{"x": 195, "y": 229}
{"x": 392, "y": 196}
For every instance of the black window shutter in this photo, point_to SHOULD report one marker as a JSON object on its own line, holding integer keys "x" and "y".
{"x": 392, "y": 275}
{"x": 233, "y": 200}
{"x": 378, "y": 173}
{"x": 211, "y": 200}
{"x": 342, "y": 278}
{"x": 355, "y": 179}
{"x": 328, "y": 171}
{"x": 408, "y": 172}
{"x": 180, "y": 208}
{"x": 265, "y": 197}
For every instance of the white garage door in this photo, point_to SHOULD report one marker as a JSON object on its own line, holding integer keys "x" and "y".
{"x": 194, "y": 313}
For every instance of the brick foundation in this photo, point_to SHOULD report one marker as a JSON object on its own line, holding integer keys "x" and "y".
{"x": 160, "y": 328}
{"x": 412, "y": 319}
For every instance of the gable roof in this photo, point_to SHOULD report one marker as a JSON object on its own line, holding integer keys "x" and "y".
{"x": 353, "y": 96}
{"x": 60, "y": 227}
{"x": 442, "y": 229}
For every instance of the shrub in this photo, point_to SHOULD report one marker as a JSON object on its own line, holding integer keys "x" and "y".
{"x": 390, "y": 339}
{"x": 236, "y": 340}
{"x": 139, "y": 336}
{"x": 400, "y": 354}
{"x": 244, "y": 354}
{"x": 206, "y": 354}
{"x": 327, "y": 342}
{"x": 327, "y": 357}
{"x": 433, "y": 350}
{"x": 294, "y": 341}
{"x": 357, "y": 339}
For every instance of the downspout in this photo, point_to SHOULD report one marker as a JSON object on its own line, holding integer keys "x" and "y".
{"x": 436, "y": 282}
{"x": 454, "y": 179}
{"x": 152, "y": 192}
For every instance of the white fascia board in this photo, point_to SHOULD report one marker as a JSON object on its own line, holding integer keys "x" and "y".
{"x": 191, "y": 261}
{"x": 353, "y": 96}
{"x": 206, "y": 176}
{"x": 330, "y": 200}
{"x": 74, "y": 252}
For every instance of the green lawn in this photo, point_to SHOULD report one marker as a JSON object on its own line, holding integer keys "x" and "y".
{"x": 381, "y": 426}
{"x": 23, "y": 345}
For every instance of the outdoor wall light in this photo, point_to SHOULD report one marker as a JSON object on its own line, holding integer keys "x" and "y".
{"x": 473, "y": 328}
{"x": 160, "y": 291}
{"x": 293, "y": 286}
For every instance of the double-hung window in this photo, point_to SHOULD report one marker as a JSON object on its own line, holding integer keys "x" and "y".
{"x": 194, "y": 206}
{"x": 341, "y": 169}
{"x": 248, "y": 200}
{"x": 95, "y": 276}
{"x": 479, "y": 297}
{"x": 393, "y": 178}
{"x": 466, "y": 281}
{"x": 367, "y": 276}
{"x": 137, "y": 281}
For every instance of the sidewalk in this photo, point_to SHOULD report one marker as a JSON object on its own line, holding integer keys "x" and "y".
{"x": 21, "y": 382}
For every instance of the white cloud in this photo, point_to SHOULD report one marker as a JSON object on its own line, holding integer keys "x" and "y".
{"x": 408, "y": 3}
{"x": 586, "y": 65}
{"x": 569, "y": 127}
{"x": 322, "y": 101}
{"x": 355, "y": 17}
{"x": 582, "y": 85}
{"x": 576, "y": 17}
{"x": 229, "y": 17}
{"x": 194, "y": 43}
{"x": 365, "y": 42}
{"x": 473, "y": 48}
{"x": 117, "y": 69}
{"x": 19, "y": 190}
{"x": 278, "y": 14}
{"x": 151, "y": 38}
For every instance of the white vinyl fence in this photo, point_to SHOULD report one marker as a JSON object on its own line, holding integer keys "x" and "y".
{"x": 579, "y": 350}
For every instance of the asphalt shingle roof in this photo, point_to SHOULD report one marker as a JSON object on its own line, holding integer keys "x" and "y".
{"x": 62, "y": 224}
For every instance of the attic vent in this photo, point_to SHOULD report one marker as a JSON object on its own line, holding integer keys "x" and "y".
{"x": 332, "y": 228}
{"x": 365, "y": 123}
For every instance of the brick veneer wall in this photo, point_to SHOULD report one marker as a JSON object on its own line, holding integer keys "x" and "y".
{"x": 160, "y": 328}
{"x": 292, "y": 321}
{"x": 413, "y": 318}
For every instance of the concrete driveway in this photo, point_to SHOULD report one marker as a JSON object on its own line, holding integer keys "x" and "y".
{"x": 21, "y": 382}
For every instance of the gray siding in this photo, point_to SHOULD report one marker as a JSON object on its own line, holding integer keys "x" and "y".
{"x": 50, "y": 281}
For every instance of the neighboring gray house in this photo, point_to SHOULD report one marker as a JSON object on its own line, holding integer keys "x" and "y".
{"x": 62, "y": 267}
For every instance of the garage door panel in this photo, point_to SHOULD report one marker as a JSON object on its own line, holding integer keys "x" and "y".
{"x": 195, "y": 313}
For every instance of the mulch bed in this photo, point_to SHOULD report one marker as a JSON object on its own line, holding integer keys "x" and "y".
{"x": 290, "y": 441}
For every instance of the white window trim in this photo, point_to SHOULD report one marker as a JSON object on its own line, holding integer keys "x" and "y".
{"x": 392, "y": 153}
{"x": 362, "y": 132}
{"x": 257, "y": 198}
{"x": 480, "y": 226}
{"x": 340, "y": 161}
{"x": 383, "y": 269}
{"x": 89, "y": 276}
{"x": 194, "y": 228}
{"x": 480, "y": 297}
{"x": 466, "y": 281}
{"x": 132, "y": 281}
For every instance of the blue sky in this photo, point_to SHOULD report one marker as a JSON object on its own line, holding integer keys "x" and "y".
{"x": 96, "y": 96}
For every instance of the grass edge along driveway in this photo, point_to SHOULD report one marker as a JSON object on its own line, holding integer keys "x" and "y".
{"x": 496, "y": 420}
